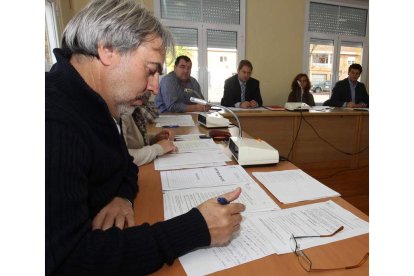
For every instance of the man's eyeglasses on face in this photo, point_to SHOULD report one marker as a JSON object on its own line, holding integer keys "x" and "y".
{"x": 306, "y": 263}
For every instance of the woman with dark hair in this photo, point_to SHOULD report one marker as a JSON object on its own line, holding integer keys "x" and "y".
{"x": 300, "y": 90}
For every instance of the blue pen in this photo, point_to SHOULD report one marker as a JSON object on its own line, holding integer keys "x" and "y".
{"x": 171, "y": 126}
{"x": 222, "y": 201}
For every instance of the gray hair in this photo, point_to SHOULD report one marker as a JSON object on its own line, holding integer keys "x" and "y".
{"x": 120, "y": 24}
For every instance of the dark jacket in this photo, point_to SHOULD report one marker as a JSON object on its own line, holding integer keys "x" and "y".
{"x": 307, "y": 97}
{"x": 341, "y": 93}
{"x": 86, "y": 165}
{"x": 232, "y": 91}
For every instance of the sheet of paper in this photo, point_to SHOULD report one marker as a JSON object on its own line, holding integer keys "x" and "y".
{"x": 308, "y": 220}
{"x": 264, "y": 233}
{"x": 205, "y": 177}
{"x": 293, "y": 186}
{"x": 245, "y": 109}
{"x": 178, "y": 202}
{"x": 248, "y": 245}
{"x": 320, "y": 108}
{"x": 196, "y": 145}
{"x": 188, "y": 137}
{"x": 190, "y": 160}
{"x": 174, "y": 120}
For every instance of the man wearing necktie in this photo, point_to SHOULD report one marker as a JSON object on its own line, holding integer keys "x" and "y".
{"x": 242, "y": 90}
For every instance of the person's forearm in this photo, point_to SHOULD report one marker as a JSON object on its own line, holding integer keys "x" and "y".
{"x": 137, "y": 250}
{"x": 177, "y": 108}
{"x": 145, "y": 154}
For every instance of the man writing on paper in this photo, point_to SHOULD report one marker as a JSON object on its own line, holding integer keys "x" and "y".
{"x": 112, "y": 52}
{"x": 177, "y": 87}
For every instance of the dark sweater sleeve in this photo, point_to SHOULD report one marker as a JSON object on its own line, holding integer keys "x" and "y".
{"x": 72, "y": 248}
{"x": 129, "y": 186}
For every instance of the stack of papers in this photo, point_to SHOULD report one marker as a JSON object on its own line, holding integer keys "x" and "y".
{"x": 174, "y": 120}
{"x": 190, "y": 160}
{"x": 294, "y": 186}
{"x": 205, "y": 177}
{"x": 189, "y": 137}
{"x": 196, "y": 145}
{"x": 185, "y": 189}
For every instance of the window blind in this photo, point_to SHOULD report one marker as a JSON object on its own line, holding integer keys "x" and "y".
{"x": 208, "y": 11}
{"x": 327, "y": 18}
{"x": 221, "y": 11}
{"x": 221, "y": 39}
{"x": 185, "y": 36}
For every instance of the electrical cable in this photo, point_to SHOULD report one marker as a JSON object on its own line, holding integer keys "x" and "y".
{"x": 326, "y": 141}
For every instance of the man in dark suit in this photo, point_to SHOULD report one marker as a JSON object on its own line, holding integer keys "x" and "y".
{"x": 241, "y": 90}
{"x": 350, "y": 92}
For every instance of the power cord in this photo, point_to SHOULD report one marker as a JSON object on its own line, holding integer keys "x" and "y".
{"x": 341, "y": 171}
{"x": 296, "y": 136}
{"x": 326, "y": 141}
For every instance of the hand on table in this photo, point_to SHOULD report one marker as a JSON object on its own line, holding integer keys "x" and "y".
{"x": 118, "y": 212}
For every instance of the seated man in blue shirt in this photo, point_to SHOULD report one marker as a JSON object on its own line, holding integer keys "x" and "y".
{"x": 177, "y": 87}
{"x": 350, "y": 92}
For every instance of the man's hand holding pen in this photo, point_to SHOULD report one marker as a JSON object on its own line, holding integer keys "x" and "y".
{"x": 222, "y": 217}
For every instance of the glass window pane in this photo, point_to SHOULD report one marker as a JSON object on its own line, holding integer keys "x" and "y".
{"x": 320, "y": 68}
{"x": 186, "y": 43}
{"x": 221, "y": 61}
{"x": 351, "y": 52}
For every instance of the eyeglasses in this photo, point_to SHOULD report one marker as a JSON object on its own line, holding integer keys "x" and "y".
{"x": 306, "y": 263}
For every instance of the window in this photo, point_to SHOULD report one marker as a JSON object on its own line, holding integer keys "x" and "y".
{"x": 336, "y": 36}
{"x": 51, "y": 33}
{"x": 211, "y": 33}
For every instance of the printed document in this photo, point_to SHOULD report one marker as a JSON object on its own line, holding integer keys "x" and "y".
{"x": 246, "y": 246}
{"x": 294, "y": 185}
{"x": 205, "y": 177}
{"x": 265, "y": 233}
{"x": 174, "y": 120}
{"x": 196, "y": 145}
{"x": 309, "y": 220}
{"x": 178, "y": 202}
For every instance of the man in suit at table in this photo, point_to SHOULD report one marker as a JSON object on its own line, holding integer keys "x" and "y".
{"x": 350, "y": 92}
{"x": 242, "y": 90}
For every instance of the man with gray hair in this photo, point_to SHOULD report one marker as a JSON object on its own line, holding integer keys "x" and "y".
{"x": 112, "y": 52}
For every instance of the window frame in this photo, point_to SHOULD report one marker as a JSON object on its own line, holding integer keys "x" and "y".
{"x": 337, "y": 39}
{"x": 202, "y": 39}
{"x": 51, "y": 26}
